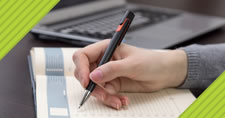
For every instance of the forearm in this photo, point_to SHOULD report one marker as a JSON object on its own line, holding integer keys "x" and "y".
{"x": 205, "y": 64}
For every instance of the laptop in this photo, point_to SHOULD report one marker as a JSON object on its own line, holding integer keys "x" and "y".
{"x": 83, "y": 22}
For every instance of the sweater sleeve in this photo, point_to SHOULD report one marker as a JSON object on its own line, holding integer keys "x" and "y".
{"x": 205, "y": 64}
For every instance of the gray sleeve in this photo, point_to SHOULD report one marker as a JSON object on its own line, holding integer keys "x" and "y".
{"x": 205, "y": 64}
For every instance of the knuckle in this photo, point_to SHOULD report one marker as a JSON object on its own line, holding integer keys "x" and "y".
{"x": 75, "y": 55}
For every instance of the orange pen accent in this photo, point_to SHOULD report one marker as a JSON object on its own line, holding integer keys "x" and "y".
{"x": 120, "y": 26}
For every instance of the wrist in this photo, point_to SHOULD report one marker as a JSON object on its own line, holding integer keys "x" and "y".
{"x": 177, "y": 63}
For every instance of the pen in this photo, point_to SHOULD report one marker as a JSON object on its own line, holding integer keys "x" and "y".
{"x": 115, "y": 41}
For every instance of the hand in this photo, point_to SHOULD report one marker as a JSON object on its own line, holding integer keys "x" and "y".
{"x": 131, "y": 69}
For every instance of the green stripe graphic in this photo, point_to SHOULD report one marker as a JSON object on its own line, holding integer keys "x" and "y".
{"x": 211, "y": 103}
{"x": 17, "y": 18}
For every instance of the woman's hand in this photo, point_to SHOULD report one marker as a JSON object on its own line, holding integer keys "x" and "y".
{"x": 131, "y": 69}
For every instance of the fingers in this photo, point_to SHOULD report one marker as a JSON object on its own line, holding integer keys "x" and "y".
{"x": 113, "y": 87}
{"x": 83, "y": 59}
{"x": 110, "y": 71}
{"x": 82, "y": 68}
{"x": 93, "y": 52}
{"x": 114, "y": 101}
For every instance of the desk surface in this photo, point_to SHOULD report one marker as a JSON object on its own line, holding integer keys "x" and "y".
{"x": 15, "y": 87}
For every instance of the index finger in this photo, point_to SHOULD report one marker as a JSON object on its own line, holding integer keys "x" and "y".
{"x": 84, "y": 57}
{"x": 82, "y": 69}
{"x": 94, "y": 51}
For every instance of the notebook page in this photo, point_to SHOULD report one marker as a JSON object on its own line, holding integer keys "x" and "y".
{"x": 69, "y": 65}
{"x": 161, "y": 104}
{"x": 38, "y": 61}
{"x": 38, "y": 56}
{"x": 51, "y": 64}
{"x": 53, "y": 101}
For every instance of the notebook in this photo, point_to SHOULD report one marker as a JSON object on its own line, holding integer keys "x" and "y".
{"x": 57, "y": 93}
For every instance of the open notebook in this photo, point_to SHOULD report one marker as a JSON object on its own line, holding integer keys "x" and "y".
{"x": 57, "y": 93}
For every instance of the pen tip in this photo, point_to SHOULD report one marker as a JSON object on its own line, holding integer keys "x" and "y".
{"x": 79, "y": 107}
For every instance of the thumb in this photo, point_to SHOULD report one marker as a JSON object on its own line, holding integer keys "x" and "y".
{"x": 109, "y": 71}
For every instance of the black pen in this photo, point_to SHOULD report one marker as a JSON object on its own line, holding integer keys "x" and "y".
{"x": 115, "y": 41}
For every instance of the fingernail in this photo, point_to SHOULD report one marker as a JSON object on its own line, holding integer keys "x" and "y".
{"x": 96, "y": 75}
{"x": 115, "y": 105}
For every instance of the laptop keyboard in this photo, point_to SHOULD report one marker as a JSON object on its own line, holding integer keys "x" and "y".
{"x": 104, "y": 27}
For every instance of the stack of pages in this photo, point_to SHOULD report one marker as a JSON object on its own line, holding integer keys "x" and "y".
{"x": 57, "y": 93}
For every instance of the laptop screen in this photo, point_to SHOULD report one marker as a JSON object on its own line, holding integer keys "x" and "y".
{"x": 67, "y": 3}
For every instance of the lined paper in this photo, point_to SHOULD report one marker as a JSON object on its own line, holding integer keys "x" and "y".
{"x": 142, "y": 105}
